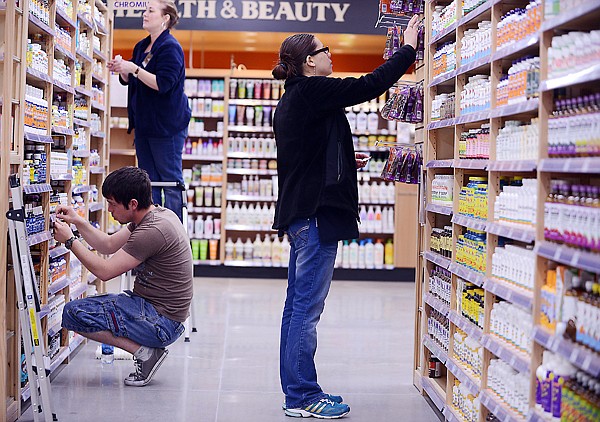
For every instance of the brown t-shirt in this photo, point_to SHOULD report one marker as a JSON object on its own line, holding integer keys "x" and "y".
{"x": 165, "y": 276}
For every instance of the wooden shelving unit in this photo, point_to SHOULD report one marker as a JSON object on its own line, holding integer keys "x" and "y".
{"x": 441, "y": 145}
{"x": 69, "y": 130}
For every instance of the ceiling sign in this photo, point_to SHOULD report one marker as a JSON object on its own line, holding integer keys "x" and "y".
{"x": 350, "y": 16}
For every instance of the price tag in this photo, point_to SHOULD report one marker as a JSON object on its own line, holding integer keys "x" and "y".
{"x": 513, "y": 360}
{"x": 587, "y": 363}
{"x": 575, "y": 259}
{"x": 557, "y": 254}
{"x": 510, "y": 233}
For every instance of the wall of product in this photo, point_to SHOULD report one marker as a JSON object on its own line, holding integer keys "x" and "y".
{"x": 230, "y": 168}
{"x": 510, "y": 271}
{"x": 59, "y": 149}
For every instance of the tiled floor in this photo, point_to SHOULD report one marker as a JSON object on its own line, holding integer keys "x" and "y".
{"x": 229, "y": 370}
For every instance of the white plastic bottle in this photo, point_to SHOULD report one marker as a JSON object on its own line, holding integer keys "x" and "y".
{"x": 238, "y": 251}
{"x": 378, "y": 220}
{"x": 361, "y": 255}
{"x": 369, "y": 254}
{"x": 346, "y": 255}
{"x": 370, "y": 223}
{"x": 257, "y": 255}
{"x": 353, "y": 254}
{"x": 285, "y": 251}
{"x": 276, "y": 252}
{"x": 229, "y": 250}
{"x": 379, "y": 254}
{"x": 190, "y": 227}
{"x": 229, "y": 213}
{"x": 248, "y": 251}
{"x": 199, "y": 227}
{"x": 338, "y": 256}
{"x": 209, "y": 229}
{"x": 266, "y": 258}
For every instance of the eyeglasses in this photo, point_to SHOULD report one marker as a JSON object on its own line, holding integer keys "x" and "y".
{"x": 320, "y": 50}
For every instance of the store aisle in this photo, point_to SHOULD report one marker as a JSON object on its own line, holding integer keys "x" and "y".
{"x": 229, "y": 370}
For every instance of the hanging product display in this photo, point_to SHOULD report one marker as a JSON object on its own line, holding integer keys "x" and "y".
{"x": 403, "y": 165}
{"x": 405, "y": 104}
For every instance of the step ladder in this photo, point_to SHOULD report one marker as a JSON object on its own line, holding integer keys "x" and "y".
{"x": 28, "y": 303}
{"x": 127, "y": 278}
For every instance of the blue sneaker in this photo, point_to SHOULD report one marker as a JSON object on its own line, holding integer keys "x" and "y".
{"x": 337, "y": 399}
{"x": 322, "y": 409}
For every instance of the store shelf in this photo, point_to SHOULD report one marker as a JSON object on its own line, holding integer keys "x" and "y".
{"x": 98, "y": 134}
{"x": 436, "y": 304}
{"x": 516, "y": 48}
{"x": 80, "y": 122}
{"x": 472, "y": 385}
{"x": 441, "y": 124}
{"x": 478, "y": 11}
{"x": 440, "y": 164}
{"x": 59, "y": 177}
{"x": 519, "y": 233}
{"x": 205, "y": 184}
{"x": 509, "y": 354}
{"x": 208, "y": 210}
{"x": 247, "y": 228}
{"x": 434, "y": 394}
{"x": 569, "y": 256}
{"x": 497, "y": 406}
{"x": 509, "y": 293}
{"x": 39, "y": 188}
{"x": 477, "y": 116}
{"x": 65, "y": 18}
{"x": 91, "y": 278}
{"x": 98, "y": 106}
{"x": 585, "y": 165}
{"x": 570, "y": 15}
{"x": 250, "y": 129}
{"x": 81, "y": 153}
{"x": 64, "y": 52}
{"x": 252, "y": 102}
{"x": 208, "y": 115}
{"x": 81, "y": 90}
{"x": 588, "y": 74}
{"x": 535, "y": 415}
{"x": 84, "y": 19}
{"x": 52, "y": 331}
{"x": 100, "y": 55}
{"x": 62, "y": 86}
{"x": 526, "y": 106}
{"x": 475, "y": 64}
{"x": 207, "y": 262}
{"x": 251, "y": 198}
{"x": 38, "y": 238}
{"x": 38, "y": 138}
{"x": 57, "y": 251}
{"x": 513, "y": 166}
{"x": 95, "y": 206}
{"x": 97, "y": 170}
{"x": 192, "y": 157}
{"x": 580, "y": 356}
{"x": 452, "y": 415}
{"x": 441, "y": 79}
{"x": 443, "y": 34}
{"x": 470, "y": 222}
{"x": 252, "y": 172}
{"x": 58, "y": 285}
{"x": 81, "y": 189}
{"x": 42, "y": 26}
{"x": 435, "y": 349}
{"x": 39, "y": 76}
{"x": 464, "y": 324}
{"x": 78, "y": 291}
{"x": 63, "y": 130}
{"x": 473, "y": 164}
{"x": 253, "y": 155}
{"x": 437, "y": 259}
{"x": 216, "y": 236}
{"x": 98, "y": 78}
{"x": 439, "y": 209}
{"x": 467, "y": 274}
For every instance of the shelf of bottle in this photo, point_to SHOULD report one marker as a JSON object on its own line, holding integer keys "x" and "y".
{"x": 38, "y": 238}
{"x": 525, "y": 106}
{"x": 97, "y": 106}
{"x": 251, "y": 155}
{"x": 207, "y": 262}
{"x": 440, "y": 164}
{"x": 434, "y": 394}
{"x": 471, "y": 163}
{"x": 59, "y": 284}
{"x": 38, "y": 188}
{"x": 509, "y": 292}
{"x": 464, "y": 324}
{"x": 37, "y": 75}
{"x": 44, "y": 310}
{"x": 436, "y": 304}
{"x": 571, "y": 15}
{"x": 248, "y": 228}
{"x": 78, "y": 291}
{"x": 57, "y": 251}
{"x": 84, "y": 19}
{"x": 64, "y": 52}
{"x": 95, "y": 206}
{"x": 444, "y": 33}
{"x": 470, "y": 222}
{"x": 585, "y": 165}
{"x": 250, "y": 129}
{"x": 66, "y": 18}
{"x": 477, "y": 12}
{"x": 580, "y": 356}
{"x": 437, "y": 259}
{"x": 249, "y": 264}
{"x": 81, "y": 189}
{"x": 476, "y": 116}
{"x": 467, "y": 274}
{"x": 438, "y": 209}
{"x": 435, "y": 348}
{"x": 100, "y": 28}
{"x": 81, "y": 153}
{"x": 98, "y": 135}
{"x": 535, "y": 415}
{"x": 208, "y": 115}
{"x": 99, "y": 55}
{"x": 253, "y": 102}
{"x": 513, "y": 166}
{"x": 252, "y": 172}
{"x": 80, "y": 122}
{"x": 52, "y": 331}
{"x": 203, "y": 95}
{"x": 59, "y": 177}
{"x": 215, "y": 236}
{"x": 519, "y": 232}
{"x": 63, "y": 86}
{"x": 42, "y": 26}
{"x": 82, "y": 91}
{"x": 508, "y": 353}
{"x": 447, "y": 77}
{"x": 97, "y": 170}
{"x": 439, "y": 124}
{"x": 452, "y": 415}
{"x": 195, "y": 157}
{"x": 98, "y": 78}
{"x": 374, "y": 202}
{"x": 567, "y": 255}
{"x": 63, "y": 130}
{"x": 588, "y": 74}
{"x": 464, "y": 376}
{"x": 117, "y": 151}
{"x": 205, "y": 210}
{"x": 200, "y": 183}
{"x": 83, "y": 55}
{"x": 475, "y": 65}
{"x": 517, "y": 47}
{"x": 203, "y": 134}
{"x": 251, "y": 198}
{"x": 498, "y": 407}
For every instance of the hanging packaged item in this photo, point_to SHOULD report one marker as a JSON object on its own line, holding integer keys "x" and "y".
{"x": 405, "y": 104}
{"x": 403, "y": 165}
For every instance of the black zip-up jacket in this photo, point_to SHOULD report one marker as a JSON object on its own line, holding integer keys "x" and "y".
{"x": 315, "y": 153}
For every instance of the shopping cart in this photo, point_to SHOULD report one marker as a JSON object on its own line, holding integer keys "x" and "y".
{"x": 127, "y": 278}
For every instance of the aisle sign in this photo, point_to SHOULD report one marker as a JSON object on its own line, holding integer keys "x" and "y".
{"x": 349, "y": 16}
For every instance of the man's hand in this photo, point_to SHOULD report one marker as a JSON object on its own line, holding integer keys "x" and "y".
{"x": 62, "y": 231}
{"x": 361, "y": 159}
{"x": 67, "y": 214}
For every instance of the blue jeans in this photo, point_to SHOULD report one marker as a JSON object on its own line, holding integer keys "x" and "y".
{"x": 309, "y": 277}
{"x": 161, "y": 158}
{"x": 125, "y": 315}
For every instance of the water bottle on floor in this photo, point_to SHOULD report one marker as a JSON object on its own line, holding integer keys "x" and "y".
{"x": 108, "y": 353}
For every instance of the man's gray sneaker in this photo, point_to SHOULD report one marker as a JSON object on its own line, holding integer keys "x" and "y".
{"x": 145, "y": 370}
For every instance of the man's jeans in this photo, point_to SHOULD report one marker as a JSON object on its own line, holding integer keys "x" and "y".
{"x": 125, "y": 315}
{"x": 309, "y": 277}
{"x": 161, "y": 158}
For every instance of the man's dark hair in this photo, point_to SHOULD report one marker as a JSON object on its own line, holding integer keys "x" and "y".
{"x": 128, "y": 183}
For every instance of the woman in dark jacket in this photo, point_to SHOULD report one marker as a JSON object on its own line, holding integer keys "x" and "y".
{"x": 157, "y": 105}
{"x": 318, "y": 198}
